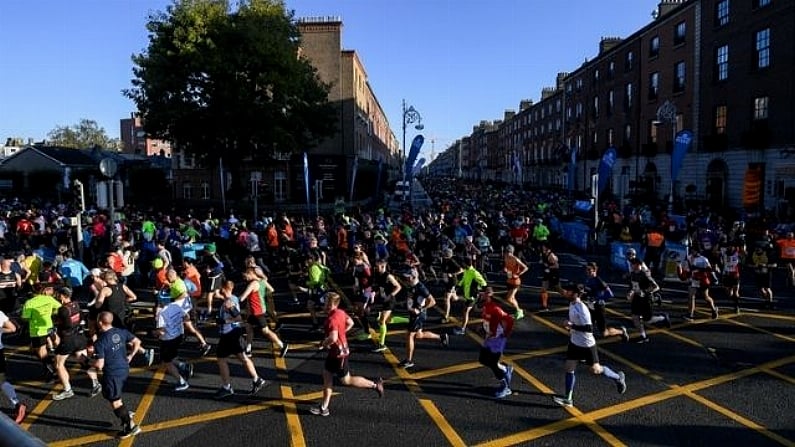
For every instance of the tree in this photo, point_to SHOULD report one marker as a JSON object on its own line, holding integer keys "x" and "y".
{"x": 85, "y": 134}
{"x": 218, "y": 81}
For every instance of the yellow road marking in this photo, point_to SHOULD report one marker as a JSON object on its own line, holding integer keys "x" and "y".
{"x": 191, "y": 420}
{"x": 779, "y": 375}
{"x": 764, "y": 331}
{"x": 146, "y": 401}
{"x": 740, "y": 419}
{"x": 297, "y": 438}
{"x": 447, "y": 430}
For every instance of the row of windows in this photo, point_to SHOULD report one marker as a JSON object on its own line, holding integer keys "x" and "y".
{"x": 722, "y": 10}
{"x": 762, "y": 47}
{"x": 760, "y": 112}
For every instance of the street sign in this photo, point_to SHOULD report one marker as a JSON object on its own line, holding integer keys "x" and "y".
{"x": 108, "y": 167}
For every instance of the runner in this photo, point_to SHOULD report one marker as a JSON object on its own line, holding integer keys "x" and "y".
{"x": 338, "y": 323}
{"x": 38, "y": 312}
{"x": 451, "y": 269}
{"x": 699, "y": 270}
{"x": 10, "y": 283}
{"x": 551, "y": 276}
{"x": 171, "y": 332}
{"x": 230, "y": 331}
{"x": 386, "y": 288}
{"x": 582, "y": 347}
{"x": 514, "y": 268}
{"x": 113, "y": 360}
{"x": 20, "y": 409}
{"x": 418, "y": 301}
{"x": 256, "y": 293}
{"x": 598, "y": 293}
{"x": 178, "y": 290}
{"x": 497, "y": 325}
{"x": 470, "y": 291}
{"x": 640, "y": 295}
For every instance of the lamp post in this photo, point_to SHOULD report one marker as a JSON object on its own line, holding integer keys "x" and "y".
{"x": 666, "y": 114}
{"x": 410, "y": 116}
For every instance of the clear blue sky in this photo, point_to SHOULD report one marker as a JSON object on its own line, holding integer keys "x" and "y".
{"x": 457, "y": 61}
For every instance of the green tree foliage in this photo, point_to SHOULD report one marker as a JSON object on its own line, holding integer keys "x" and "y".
{"x": 82, "y": 135}
{"x": 227, "y": 81}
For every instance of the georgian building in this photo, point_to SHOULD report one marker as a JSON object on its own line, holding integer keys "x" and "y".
{"x": 721, "y": 69}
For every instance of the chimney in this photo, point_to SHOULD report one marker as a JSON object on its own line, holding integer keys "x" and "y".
{"x": 546, "y": 92}
{"x": 608, "y": 43}
{"x": 667, "y": 6}
{"x": 525, "y": 104}
{"x": 508, "y": 115}
{"x": 560, "y": 79}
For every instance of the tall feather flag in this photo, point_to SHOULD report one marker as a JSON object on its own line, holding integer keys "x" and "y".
{"x": 306, "y": 183}
{"x": 572, "y": 178}
{"x": 353, "y": 175}
{"x": 417, "y": 167}
{"x": 416, "y": 145}
{"x": 606, "y": 167}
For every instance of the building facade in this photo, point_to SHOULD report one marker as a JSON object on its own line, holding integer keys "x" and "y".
{"x": 721, "y": 69}
{"x": 136, "y": 142}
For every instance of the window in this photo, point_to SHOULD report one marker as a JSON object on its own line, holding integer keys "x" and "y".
{"x": 628, "y": 94}
{"x": 611, "y": 70}
{"x": 760, "y": 3}
{"x": 610, "y": 102}
{"x": 722, "y": 13}
{"x": 595, "y": 106}
{"x": 628, "y": 133}
{"x": 654, "y": 85}
{"x": 279, "y": 186}
{"x": 679, "y": 77}
{"x": 187, "y": 190}
{"x": 610, "y": 137}
{"x": 653, "y": 131}
{"x": 578, "y": 84}
{"x": 596, "y": 76}
{"x": 579, "y": 110}
{"x": 568, "y": 113}
{"x": 654, "y": 46}
{"x": 760, "y": 108}
{"x": 763, "y": 48}
{"x": 722, "y": 63}
{"x": 630, "y": 61}
{"x": 594, "y": 137}
{"x": 205, "y": 191}
{"x": 720, "y": 120}
{"x": 679, "y": 33}
{"x": 557, "y": 106}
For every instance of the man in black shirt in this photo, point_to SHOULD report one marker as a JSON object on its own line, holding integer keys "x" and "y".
{"x": 72, "y": 342}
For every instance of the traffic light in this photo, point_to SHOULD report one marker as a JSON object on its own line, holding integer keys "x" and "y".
{"x": 79, "y": 196}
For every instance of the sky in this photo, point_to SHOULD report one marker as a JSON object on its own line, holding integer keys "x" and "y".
{"x": 458, "y": 62}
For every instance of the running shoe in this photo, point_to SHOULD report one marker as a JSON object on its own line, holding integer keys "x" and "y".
{"x": 205, "y": 349}
{"x": 624, "y": 334}
{"x": 503, "y": 392}
{"x": 406, "y": 364}
{"x": 258, "y": 384}
{"x": 182, "y": 386}
{"x": 96, "y": 389}
{"x": 621, "y": 383}
{"x": 130, "y": 430}
{"x": 508, "y": 375}
{"x": 715, "y": 313}
{"x": 445, "y": 339}
{"x": 667, "y": 320}
{"x": 379, "y": 348}
{"x": 319, "y": 411}
{"x": 563, "y": 402}
{"x": 65, "y": 394}
{"x": 689, "y": 318}
{"x": 283, "y": 351}
{"x": 189, "y": 370}
{"x": 223, "y": 393}
{"x": 642, "y": 340}
{"x": 20, "y": 411}
{"x": 520, "y": 314}
{"x": 445, "y": 320}
{"x": 459, "y": 331}
{"x": 379, "y": 387}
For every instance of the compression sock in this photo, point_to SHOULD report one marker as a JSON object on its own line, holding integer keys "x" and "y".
{"x": 122, "y": 414}
{"x": 609, "y": 373}
{"x": 382, "y": 334}
{"x": 396, "y": 319}
{"x": 569, "y": 385}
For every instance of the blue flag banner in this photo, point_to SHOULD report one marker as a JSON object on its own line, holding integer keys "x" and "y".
{"x": 353, "y": 176}
{"x": 606, "y": 168}
{"x": 306, "y": 182}
{"x": 684, "y": 139}
{"x": 414, "y": 152}
{"x": 417, "y": 167}
{"x": 572, "y": 168}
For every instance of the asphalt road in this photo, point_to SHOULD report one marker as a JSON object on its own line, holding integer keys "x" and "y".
{"x": 710, "y": 382}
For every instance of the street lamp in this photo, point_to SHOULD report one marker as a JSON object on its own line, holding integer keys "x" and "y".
{"x": 666, "y": 114}
{"x": 410, "y": 116}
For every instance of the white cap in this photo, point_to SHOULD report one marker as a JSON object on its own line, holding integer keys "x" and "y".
{"x": 96, "y": 272}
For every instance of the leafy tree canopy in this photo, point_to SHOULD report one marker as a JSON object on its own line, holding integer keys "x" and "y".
{"x": 219, "y": 80}
{"x": 82, "y": 135}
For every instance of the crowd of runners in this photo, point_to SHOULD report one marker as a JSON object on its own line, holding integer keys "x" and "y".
{"x": 210, "y": 276}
